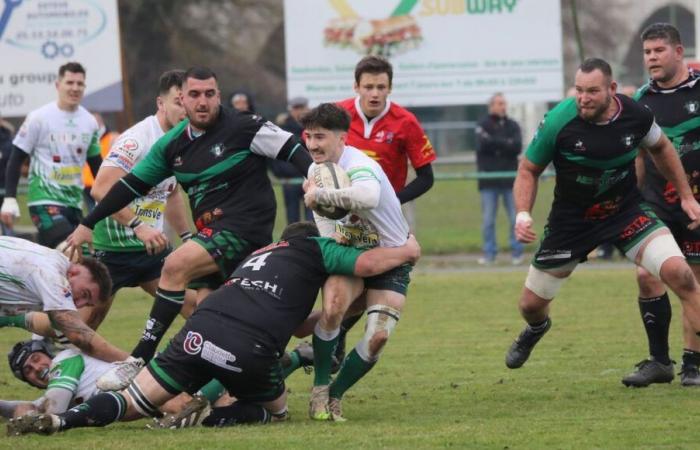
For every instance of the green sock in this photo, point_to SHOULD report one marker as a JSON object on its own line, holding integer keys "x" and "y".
{"x": 323, "y": 358}
{"x": 351, "y": 371}
{"x": 212, "y": 391}
{"x": 13, "y": 321}
{"x": 294, "y": 363}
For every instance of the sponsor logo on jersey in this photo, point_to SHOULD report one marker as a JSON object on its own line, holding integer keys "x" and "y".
{"x": 193, "y": 343}
{"x": 553, "y": 254}
{"x": 208, "y": 217}
{"x": 639, "y": 224}
{"x": 693, "y": 107}
{"x": 177, "y": 162}
{"x": 219, "y": 357}
{"x": 384, "y": 136}
{"x": 691, "y": 248}
{"x": 579, "y": 147}
{"x": 628, "y": 140}
{"x": 217, "y": 150}
{"x": 257, "y": 285}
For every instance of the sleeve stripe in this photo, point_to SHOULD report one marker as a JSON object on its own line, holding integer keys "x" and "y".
{"x": 62, "y": 386}
{"x": 129, "y": 187}
{"x": 296, "y": 147}
{"x": 361, "y": 171}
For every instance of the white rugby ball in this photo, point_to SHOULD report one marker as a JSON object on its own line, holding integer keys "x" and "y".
{"x": 329, "y": 175}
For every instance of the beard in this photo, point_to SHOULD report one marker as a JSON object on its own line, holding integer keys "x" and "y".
{"x": 595, "y": 115}
{"x": 203, "y": 124}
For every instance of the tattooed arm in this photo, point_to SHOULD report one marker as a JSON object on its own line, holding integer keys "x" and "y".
{"x": 84, "y": 337}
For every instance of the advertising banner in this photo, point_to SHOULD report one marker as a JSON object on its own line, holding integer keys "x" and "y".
{"x": 444, "y": 52}
{"x": 38, "y": 36}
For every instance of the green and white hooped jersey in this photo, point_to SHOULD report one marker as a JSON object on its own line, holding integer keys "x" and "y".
{"x": 132, "y": 146}
{"x": 78, "y": 373}
{"x": 384, "y": 225}
{"x": 58, "y": 142}
{"x": 32, "y": 278}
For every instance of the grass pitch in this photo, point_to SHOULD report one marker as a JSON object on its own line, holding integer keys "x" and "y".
{"x": 442, "y": 381}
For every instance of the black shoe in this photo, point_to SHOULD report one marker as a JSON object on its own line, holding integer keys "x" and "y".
{"x": 690, "y": 376}
{"x": 649, "y": 371}
{"x": 519, "y": 352}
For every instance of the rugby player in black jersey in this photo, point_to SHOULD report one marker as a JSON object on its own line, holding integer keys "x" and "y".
{"x": 673, "y": 95}
{"x": 236, "y": 335}
{"x": 218, "y": 156}
{"x": 592, "y": 139}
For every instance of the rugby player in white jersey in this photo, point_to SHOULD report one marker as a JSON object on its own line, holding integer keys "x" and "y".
{"x": 60, "y": 137}
{"x": 37, "y": 278}
{"x": 375, "y": 219}
{"x": 131, "y": 242}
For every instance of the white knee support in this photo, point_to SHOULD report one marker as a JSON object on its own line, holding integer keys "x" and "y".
{"x": 379, "y": 318}
{"x": 543, "y": 284}
{"x": 657, "y": 251}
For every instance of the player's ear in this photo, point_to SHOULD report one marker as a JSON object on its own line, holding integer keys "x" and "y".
{"x": 356, "y": 87}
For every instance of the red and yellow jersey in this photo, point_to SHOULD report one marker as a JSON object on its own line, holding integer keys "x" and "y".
{"x": 392, "y": 138}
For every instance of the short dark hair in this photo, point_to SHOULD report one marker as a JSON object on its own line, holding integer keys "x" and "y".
{"x": 300, "y": 230}
{"x": 169, "y": 79}
{"x": 101, "y": 276}
{"x": 373, "y": 65}
{"x": 327, "y": 115}
{"x": 661, "y": 30}
{"x": 74, "y": 67}
{"x": 591, "y": 64}
{"x": 199, "y": 73}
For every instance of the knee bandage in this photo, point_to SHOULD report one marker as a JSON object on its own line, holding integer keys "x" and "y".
{"x": 657, "y": 251}
{"x": 379, "y": 318}
{"x": 543, "y": 284}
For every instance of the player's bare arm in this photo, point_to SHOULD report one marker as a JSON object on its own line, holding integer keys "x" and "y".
{"x": 669, "y": 164}
{"x": 176, "y": 213}
{"x": 524, "y": 194}
{"x": 154, "y": 240}
{"x": 639, "y": 167}
{"x": 381, "y": 259}
{"x": 84, "y": 337}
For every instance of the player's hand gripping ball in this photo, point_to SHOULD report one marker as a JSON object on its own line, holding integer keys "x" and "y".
{"x": 330, "y": 176}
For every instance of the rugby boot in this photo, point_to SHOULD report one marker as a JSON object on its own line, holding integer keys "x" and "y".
{"x": 335, "y": 407}
{"x": 318, "y": 405}
{"x": 34, "y": 423}
{"x": 120, "y": 376}
{"x": 306, "y": 355}
{"x": 520, "y": 350}
{"x": 192, "y": 414}
{"x": 690, "y": 376}
{"x": 649, "y": 371}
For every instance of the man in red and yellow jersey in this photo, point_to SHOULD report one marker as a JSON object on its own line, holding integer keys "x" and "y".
{"x": 387, "y": 132}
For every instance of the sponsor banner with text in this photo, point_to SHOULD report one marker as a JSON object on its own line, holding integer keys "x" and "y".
{"x": 444, "y": 52}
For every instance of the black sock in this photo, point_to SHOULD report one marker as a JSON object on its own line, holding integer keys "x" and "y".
{"x": 691, "y": 357}
{"x": 166, "y": 307}
{"x": 238, "y": 413}
{"x": 538, "y": 327}
{"x": 345, "y": 326}
{"x": 98, "y": 411}
{"x": 656, "y": 316}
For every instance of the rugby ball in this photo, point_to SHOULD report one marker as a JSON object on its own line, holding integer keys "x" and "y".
{"x": 329, "y": 175}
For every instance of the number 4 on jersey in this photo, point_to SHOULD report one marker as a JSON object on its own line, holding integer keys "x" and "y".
{"x": 257, "y": 262}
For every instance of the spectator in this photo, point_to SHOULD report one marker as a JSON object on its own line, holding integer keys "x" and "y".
{"x": 498, "y": 145}
{"x": 6, "y": 131}
{"x": 242, "y": 101}
{"x": 293, "y": 193}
